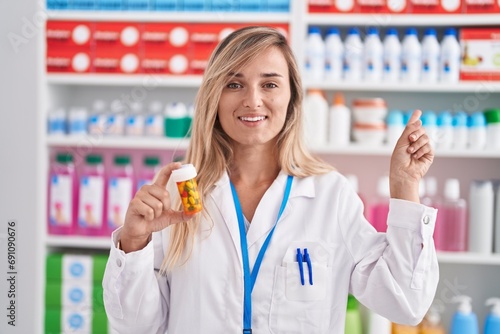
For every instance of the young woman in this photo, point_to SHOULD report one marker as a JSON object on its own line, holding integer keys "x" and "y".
{"x": 282, "y": 239}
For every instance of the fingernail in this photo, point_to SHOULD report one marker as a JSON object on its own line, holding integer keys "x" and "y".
{"x": 411, "y": 149}
{"x": 413, "y": 137}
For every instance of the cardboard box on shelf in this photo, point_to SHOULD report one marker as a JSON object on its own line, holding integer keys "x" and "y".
{"x": 480, "y": 54}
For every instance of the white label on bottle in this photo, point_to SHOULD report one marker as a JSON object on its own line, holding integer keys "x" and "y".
{"x": 90, "y": 207}
{"x": 76, "y": 294}
{"x": 77, "y": 268}
{"x": 120, "y": 195}
{"x": 61, "y": 190}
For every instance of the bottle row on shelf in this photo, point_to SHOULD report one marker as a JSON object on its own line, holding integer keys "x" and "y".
{"x": 370, "y": 122}
{"x": 352, "y": 58}
{"x": 404, "y": 6}
{"x": 134, "y": 47}
{"x": 172, "y": 120}
{"x": 462, "y": 225}
{"x": 172, "y": 5}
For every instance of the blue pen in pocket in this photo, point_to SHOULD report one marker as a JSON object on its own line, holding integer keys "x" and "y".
{"x": 307, "y": 258}
{"x": 301, "y": 267}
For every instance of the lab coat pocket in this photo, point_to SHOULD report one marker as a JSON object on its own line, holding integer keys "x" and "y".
{"x": 421, "y": 268}
{"x": 297, "y": 308}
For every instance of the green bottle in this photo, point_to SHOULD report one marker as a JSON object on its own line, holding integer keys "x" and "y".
{"x": 353, "y": 323}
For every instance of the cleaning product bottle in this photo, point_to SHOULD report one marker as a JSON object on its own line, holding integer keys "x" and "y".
{"x": 315, "y": 55}
{"x": 411, "y": 55}
{"x": 373, "y": 53}
{"x": 353, "y": 56}
{"x": 450, "y": 57}
{"x": 62, "y": 194}
{"x": 380, "y": 209}
{"x": 492, "y": 322}
{"x": 151, "y": 165}
{"x": 430, "y": 56}
{"x": 316, "y": 118}
{"x": 464, "y": 321}
{"x": 92, "y": 197}
{"x": 120, "y": 188}
{"x": 392, "y": 56}
{"x": 432, "y": 322}
{"x": 334, "y": 53}
{"x": 477, "y": 131}
{"x": 98, "y": 119}
{"x": 429, "y": 123}
{"x": 353, "y": 324}
{"x": 454, "y": 218}
{"x": 481, "y": 213}
{"x": 340, "y": 122}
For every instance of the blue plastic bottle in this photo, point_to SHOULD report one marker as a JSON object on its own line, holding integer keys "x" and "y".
{"x": 464, "y": 321}
{"x": 492, "y": 322}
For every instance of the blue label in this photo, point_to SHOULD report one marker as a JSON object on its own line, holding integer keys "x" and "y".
{"x": 55, "y": 179}
{"x": 85, "y": 181}
{"x": 76, "y": 295}
{"x": 76, "y": 269}
{"x": 75, "y": 321}
{"x": 113, "y": 182}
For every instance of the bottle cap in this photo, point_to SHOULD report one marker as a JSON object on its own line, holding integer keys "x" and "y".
{"x": 186, "y": 172}
{"x": 372, "y": 31}
{"x": 151, "y": 161}
{"x": 64, "y": 158}
{"x": 314, "y": 30}
{"x": 353, "y": 31}
{"x": 450, "y": 32}
{"x": 460, "y": 119}
{"x": 444, "y": 118}
{"x": 121, "y": 160}
{"x": 495, "y": 302}
{"x": 452, "y": 189}
{"x": 338, "y": 99}
{"x": 395, "y": 117}
{"x": 176, "y": 110}
{"x": 332, "y": 31}
{"x": 477, "y": 119}
{"x": 430, "y": 32}
{"x": 411, "y": 31}
{"x": 465, "y": 306}
{"x": 93, "y": 159}
{"x": 492, "y": 116}
{"x": 392, "y": 31}
{"x": 155, "y": 106}
{"x": 352, "y": 303}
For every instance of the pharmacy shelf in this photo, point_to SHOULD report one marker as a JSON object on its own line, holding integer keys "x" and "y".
{"x": 85, "y": 242}
{"x": 165, "y": 16}
{"x": 142, "y": 80}
{"x": 388, "y": 20}
{"x": 367, "y": 150}
{"x": 100, "y": 141}
{"x": 468, "y": 258}
{"x": 460, "y": 87}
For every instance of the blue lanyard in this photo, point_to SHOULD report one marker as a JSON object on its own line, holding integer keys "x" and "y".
{"x": 251, "y": 277}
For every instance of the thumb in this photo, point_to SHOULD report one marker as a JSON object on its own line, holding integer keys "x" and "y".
{"x": 163, "y": 175}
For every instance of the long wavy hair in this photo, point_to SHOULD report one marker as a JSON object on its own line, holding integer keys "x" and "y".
{"x": 210, "y": 149}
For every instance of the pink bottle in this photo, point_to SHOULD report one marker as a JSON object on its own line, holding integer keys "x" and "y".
{"x": 151, "y": 165}
{"x": 62, "y": 195}
{"x": 92, "y": 196}
{"x": 120, "y": 191}
{"x": 380, "y": 209}
{"x": 453, "y": 220}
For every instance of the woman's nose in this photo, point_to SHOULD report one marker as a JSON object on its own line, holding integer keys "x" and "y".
{"x": 252, "y": 99}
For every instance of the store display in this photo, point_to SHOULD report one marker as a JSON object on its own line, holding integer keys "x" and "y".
{"x": 340, "y": 122}
{"x": 120, "y": 188}
{"x": 92, "y": 196}
{"x": 151, "y": 166}
{"x": 154, "y": 124}
{"x": 177, "y": 120}
{"x": 315, "y": 118}
{"x": 453, "y": 231}
{"x": 134, "y": 122}
{"x": 411, "y": 57}
{"x": 479, "y": 54}
{"x": 450, "y": 57}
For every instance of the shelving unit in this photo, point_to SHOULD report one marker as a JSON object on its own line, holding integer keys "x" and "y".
{"x": 455, "y": 162}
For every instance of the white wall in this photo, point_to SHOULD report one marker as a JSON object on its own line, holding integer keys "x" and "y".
{"x": 18, "y": 171}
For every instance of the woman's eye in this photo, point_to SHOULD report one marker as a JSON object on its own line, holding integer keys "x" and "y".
{"x": 233, "y": 85}
{"x": 270, "y": 85}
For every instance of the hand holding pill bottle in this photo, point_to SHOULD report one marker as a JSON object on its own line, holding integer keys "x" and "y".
{"x": 185, "y": 178}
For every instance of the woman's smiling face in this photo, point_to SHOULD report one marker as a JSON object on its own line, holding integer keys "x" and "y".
{"x": 254, "y": 102}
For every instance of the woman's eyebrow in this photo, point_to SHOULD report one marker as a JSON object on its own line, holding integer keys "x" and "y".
{"x": 263, "y": 75}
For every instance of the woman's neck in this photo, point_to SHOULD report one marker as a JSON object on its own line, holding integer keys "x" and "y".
{"x": 254, "y": 166}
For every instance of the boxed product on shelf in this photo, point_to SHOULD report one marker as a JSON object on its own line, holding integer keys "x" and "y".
{"x": 68, "y": 60}
{"x": 116, "y": 60}
{"x": 435, "y": 6}
{"x": 481, "y": 6}
{"x": 333, "y": 6}
{"x": 382, "y": 6}
{"x": 83, "y": 4}
{"x": 480, "y": 54}
{"x": 69, "y": 34}
{"x": 165, "y": 35}
{"x": 117, "y": 34}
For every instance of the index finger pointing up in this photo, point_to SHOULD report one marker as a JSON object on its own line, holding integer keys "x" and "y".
{"x": 164, "y": 174}
{"x": 415, "y": 116}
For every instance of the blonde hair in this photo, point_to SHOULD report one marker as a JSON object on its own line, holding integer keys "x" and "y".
{"x": 210, "y": 149}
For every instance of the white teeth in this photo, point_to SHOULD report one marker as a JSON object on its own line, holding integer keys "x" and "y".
{"x": 253, "y": 119}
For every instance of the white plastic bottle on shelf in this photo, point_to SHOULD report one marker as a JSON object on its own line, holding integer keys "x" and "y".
{"x": 116, "y": 119}
{"x": 353, "y": 56}
{"x": 340, "y": 122}
{"x": 56, "y": 122}
{"x": 411, "y": 55}
{"x": 429, "y": 123}
{"x": 154, "y": 123}
{"x": 395, "y": 126}
{"x": 460, "y": 131}
{"x": 450, "y": 57}
{"x": 77, "y": 121}
{"x": 392, "y": 56}
{"x": 334, "y": 53}
{"x": 373, "y": 53}
{"x": 315, "y": 55}
{"x": 481, "y": 213}
{"x": 98, "y": 118}
{"x": 316, "y": 118}
{"x": 430, "y": 56}
{"x": 444, "y": 134}
{"x": 134, "y": 125}
{"x": 477, "y": 131}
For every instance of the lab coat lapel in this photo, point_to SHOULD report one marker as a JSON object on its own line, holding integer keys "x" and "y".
{"x": 223, "y": 200}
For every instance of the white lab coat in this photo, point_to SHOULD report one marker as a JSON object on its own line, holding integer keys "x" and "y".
{"x": 394, "y": 273}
